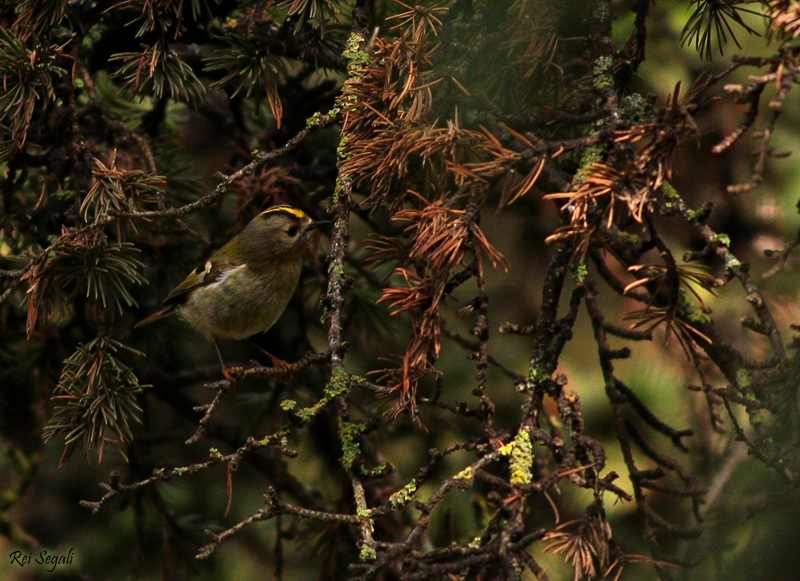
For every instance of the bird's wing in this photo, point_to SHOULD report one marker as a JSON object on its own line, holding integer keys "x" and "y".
{"x": 196, "y": 278}
{"x": 216, "y": 268}
{"x": 178, "y": 295}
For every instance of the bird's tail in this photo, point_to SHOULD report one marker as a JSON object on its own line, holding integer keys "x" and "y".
{"x": 166, "y": 311}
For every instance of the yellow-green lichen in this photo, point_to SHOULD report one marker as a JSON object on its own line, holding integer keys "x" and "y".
{"x": 376, "y": 472}
{"x": 341, "y": 149}
{"x": 602, "y": 73}
{"x": 591, "y": 155}
{"x": 364, "y": 513}
{"x": 349, "y": 433}
{"x": 581, "y": 270}
{"x": 314, "y": 120}
{"x": 671, "y": 196}
{"x": 356, "y": 59}
{"x": 340, "y": 383}
{"x": 338, "y": 189}
{"x": 634, "y": 106}
{"x": 404, "y": 495}
{"x": 698, "y": 216}
{"x": 355, "y": 56}
{"x": 722, "y": 239}
{"x": 521, "y": 459}
{"x": 631, "y": 237}
{"x": 694, "y": 311}
{"x": 743, "y": 379}
{"x": 507, "y": 449}
{"x": 465, "y": 474}
{"x": 536, "y": 374}
{"x": 367, "y": 553}
{"x": 669, "y": 191}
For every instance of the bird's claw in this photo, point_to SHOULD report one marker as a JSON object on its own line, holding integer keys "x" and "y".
{"x": 286, "y": 370}
{"x": 233, "y": 374}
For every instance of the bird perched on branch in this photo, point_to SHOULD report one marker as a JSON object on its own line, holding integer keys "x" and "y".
{"x": 245, "y": 286}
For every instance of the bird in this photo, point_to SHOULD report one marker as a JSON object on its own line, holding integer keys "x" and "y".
{"x": 244, "y": 287}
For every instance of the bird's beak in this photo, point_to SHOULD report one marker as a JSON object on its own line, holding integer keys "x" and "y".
{"x": 317, "y": 224}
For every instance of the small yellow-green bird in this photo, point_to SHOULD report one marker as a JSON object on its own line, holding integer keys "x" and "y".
{"x": 245, "y": 286}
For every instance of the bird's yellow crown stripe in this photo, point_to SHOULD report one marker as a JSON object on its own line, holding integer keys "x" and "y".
{"x": 288, "y": 209}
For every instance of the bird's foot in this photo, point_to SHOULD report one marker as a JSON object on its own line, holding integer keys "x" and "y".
{"x": 286, "y": 370}
{"x": 233, "y": 374}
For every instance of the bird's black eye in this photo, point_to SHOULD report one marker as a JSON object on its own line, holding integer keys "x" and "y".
{"x": 292, "y": 231}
